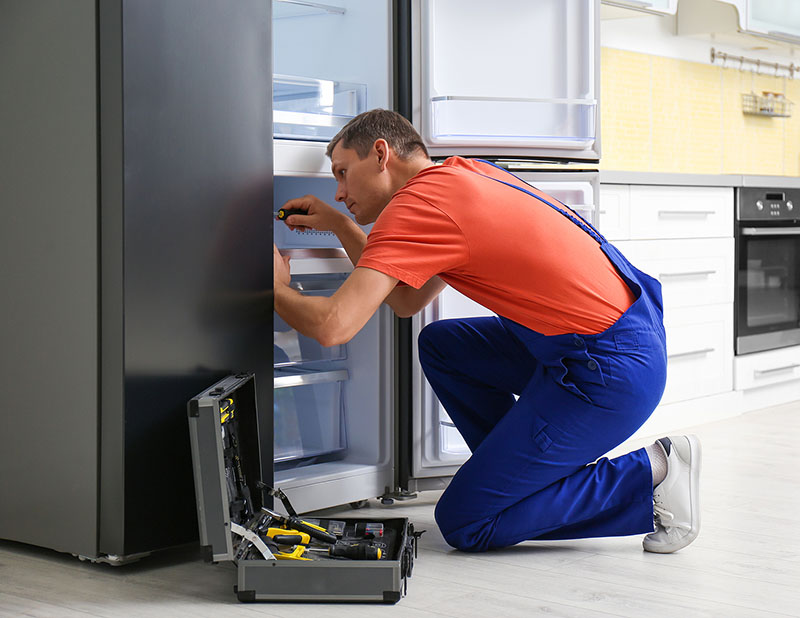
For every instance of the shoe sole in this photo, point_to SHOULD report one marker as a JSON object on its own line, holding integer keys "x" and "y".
{"x": 691, "y": 453}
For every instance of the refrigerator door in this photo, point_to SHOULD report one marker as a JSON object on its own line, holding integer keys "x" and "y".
{"x": 332, "y": 61}
{"x": 509, "y": 77}
{"x": 437, "y": 449}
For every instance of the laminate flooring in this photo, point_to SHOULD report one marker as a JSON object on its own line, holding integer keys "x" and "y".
{"x": 746, "y": 561}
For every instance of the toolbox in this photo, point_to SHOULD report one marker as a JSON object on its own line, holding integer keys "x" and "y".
{"x": 280, "y": 556}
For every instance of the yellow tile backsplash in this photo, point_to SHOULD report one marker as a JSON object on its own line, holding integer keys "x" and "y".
{"x": 667, "y": 115}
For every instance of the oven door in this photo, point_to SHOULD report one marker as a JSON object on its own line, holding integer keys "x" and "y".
{"x": 768, "y": 288}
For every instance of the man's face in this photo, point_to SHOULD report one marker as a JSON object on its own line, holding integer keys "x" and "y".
{"x": 363, "y": 185}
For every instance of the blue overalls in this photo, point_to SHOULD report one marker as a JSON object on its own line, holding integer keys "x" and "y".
{"x": 531, "y": 474}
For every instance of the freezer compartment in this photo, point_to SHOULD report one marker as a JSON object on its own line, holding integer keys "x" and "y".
{"x": 547, "y": 123}
{"x": 314, "y": 109}
{"x": 309, "y": 416}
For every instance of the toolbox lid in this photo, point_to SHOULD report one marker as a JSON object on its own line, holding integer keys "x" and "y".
{"x": 223, "y": 427}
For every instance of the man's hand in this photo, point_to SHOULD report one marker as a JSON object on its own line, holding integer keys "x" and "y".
{"x": 280, "y": 267}
{"x": 319, "y": 215}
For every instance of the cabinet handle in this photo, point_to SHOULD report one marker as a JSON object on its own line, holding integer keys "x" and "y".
{"x": 692, "y": 273}
{"x": 692, "y": 353}
{"x": 761, "y": 372}
{"x": 704, "y": 213}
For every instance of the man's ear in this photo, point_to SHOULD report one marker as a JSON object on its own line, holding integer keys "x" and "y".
{"x": 382, "y": 152}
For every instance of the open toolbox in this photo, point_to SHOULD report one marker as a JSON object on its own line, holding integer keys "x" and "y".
{"x": 280, "y": 556}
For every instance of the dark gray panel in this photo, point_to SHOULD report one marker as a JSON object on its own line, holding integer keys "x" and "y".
{"x": 48, "y": 189}
{"x": 197, "y": 86}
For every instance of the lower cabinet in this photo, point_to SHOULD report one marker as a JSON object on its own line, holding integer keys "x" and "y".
{"x": 768, "y": 368}
{"x": 699, "y": 351}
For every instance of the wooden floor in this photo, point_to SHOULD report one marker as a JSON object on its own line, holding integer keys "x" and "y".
{"x": 746, "y": 561}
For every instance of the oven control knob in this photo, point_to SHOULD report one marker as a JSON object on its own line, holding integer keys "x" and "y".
{"x": 789, "y": 206}
{"x": 760, "y": 205}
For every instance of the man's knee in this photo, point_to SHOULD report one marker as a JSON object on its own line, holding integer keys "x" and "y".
{"x": 469, "y": 537}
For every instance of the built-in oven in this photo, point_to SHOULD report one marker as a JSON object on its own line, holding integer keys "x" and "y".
{"x": 767, "y": 296}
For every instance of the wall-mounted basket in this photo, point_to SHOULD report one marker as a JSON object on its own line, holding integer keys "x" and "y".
{"x": 766, "y": 104}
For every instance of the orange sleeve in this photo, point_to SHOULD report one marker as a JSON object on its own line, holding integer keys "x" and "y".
{"x": 413, "y": 241}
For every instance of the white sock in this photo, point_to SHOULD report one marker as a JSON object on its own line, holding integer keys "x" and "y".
{"x": 658, "y": 462}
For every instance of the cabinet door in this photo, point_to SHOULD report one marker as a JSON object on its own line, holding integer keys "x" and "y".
{"x": 763, "y": 368}
{"x": 615, "y": 212}
{"x": 699, "y": 351}
{"x": 681, "y": 212}
{"x": 691, "y": 272}
{"x": 776, "y": 18}
{"x": 509, "y": 74}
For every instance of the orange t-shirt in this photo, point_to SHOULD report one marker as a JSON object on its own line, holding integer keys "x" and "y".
{"x": 504, "y": 249}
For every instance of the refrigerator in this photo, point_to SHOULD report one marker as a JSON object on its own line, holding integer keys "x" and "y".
{"x": 513, "y": 81}
{"x": 136, "y": 186}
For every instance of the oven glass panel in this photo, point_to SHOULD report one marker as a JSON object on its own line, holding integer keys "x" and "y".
{"x": 769, "y": 279}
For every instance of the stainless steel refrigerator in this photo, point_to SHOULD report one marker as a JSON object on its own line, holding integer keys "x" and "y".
{"x": 136, "y": 187}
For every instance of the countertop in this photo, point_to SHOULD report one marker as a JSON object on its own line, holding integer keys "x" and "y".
{"x": 698, "y": 180}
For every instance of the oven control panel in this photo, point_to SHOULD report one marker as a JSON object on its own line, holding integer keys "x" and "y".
{"x": 764, "y": 204}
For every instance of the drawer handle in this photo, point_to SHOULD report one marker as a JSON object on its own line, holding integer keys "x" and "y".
{"x": 692, "y": 273}
{"x": 692, "y": 353}
{"x": 761, "y": 372}
{"x": 702, "y": 213}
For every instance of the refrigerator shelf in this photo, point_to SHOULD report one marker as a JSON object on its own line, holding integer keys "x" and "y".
{"x": 307, "y": 378}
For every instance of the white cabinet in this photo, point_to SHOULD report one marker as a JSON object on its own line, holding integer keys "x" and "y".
{"x": 699, "y": 351}
{"x": 665, "y": 7}
{"x": 682, "y": 236}
{"x": 694, "y": 271}
{"x": 681, "y": 212}
{"x": 777, "y": 20}
{"x": 766, "y": 368}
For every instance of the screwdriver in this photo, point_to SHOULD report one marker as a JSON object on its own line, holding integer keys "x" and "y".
{"x": 283, "y": 213}
{"x": 295, "y": 523}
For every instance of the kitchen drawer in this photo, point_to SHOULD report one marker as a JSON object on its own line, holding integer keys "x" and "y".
{"x": 680, "y": 212}
{"x": 691, "y": 272}
{"x": 699, "y": 351}
{"x": 614, "y": 221}
{"x": 765, "y": 368}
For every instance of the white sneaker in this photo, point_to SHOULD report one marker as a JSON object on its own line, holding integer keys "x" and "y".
{"x": 676, "y": 500}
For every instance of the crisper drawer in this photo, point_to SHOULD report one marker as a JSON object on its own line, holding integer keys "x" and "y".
{"x": 699, "y": 351}
{"x": 292, "y": 348}
{"x": 765, "y": 368}
{"x": 691, "y": 272}
{"x": 308, "y": 413}
{"x": 680, "y": 212}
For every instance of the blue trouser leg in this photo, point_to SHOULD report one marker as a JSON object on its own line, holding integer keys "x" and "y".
{"x": 528, "y": 476}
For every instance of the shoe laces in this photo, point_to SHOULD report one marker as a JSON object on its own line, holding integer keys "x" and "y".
{"x": 666, "y": 519}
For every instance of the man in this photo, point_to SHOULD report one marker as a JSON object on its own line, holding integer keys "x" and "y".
{"x": 572, "y": 365}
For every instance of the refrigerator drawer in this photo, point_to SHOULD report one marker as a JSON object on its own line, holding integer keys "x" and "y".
{"x": 308, "y": 415}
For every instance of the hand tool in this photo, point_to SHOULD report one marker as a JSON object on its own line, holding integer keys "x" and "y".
{"x": 283, "y": 213}
{"x": 354, "y": 551}
{"x": 295, "y": 523}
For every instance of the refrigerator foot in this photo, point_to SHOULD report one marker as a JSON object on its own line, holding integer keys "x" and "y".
{"x": 397, "y": 494}
{"x": 360, "y": 504}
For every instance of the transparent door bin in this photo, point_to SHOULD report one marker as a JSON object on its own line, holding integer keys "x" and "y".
{"x": 450, "y": 440}
{"x": 309, "y": 421}
{"x": 284, "y": 9}
{"x": 306, "y": 108}
{"x": 290, "y": 348}
{"x": 547, "y": 123}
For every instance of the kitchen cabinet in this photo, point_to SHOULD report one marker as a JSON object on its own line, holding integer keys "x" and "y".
{"x": 767, "y": 368}
{"x": 682, "y": 236}
{"x": 661, "y": 7}
{"x": 775, "y": 20}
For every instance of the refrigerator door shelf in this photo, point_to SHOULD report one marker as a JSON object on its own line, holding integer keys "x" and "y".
{"x": 546, "y": 123}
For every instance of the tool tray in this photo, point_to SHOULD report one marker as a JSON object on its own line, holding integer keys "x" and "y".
{"x": 223, "y": 426}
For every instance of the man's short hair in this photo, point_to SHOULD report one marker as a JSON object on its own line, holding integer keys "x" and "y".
{"x": 361, "y": 132}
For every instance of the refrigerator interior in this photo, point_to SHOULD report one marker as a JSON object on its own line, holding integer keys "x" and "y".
{"x": 332, "y": 405}
{"x": 438, "y": 447}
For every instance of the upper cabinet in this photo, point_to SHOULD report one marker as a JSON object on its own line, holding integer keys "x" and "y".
{"x": 775, "y": 20}
{"x": 507, "y": 77}
{"x": 331, "y": 61}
